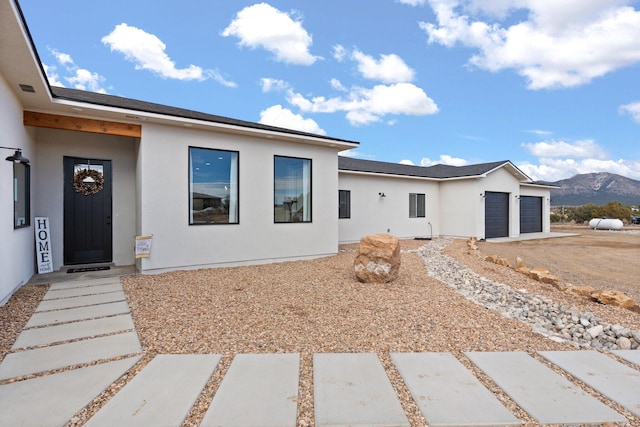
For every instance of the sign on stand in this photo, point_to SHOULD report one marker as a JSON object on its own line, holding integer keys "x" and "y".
{"x": 43, "y": 245}
{"x": 143, "y": 246}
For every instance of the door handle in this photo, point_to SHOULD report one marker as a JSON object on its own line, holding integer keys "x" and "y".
{"x": 109, "y": 220}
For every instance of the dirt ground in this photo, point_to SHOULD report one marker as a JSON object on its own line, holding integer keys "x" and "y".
{"x": 599, "y": 258}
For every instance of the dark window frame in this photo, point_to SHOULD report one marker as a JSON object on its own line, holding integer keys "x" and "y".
{"x": 190, "y": 187}
{"x": 344, "y": 204}
{"x": 275, "y": 191}
{"x": 21, "y": 196}
{"x": 417, "y": 205}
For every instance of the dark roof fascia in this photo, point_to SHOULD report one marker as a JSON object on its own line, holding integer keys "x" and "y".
{"x": 541, "y": 184}
{"x": 76, "y": 95}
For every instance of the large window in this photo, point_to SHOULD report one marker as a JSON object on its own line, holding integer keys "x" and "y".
{"x": 344, "y": 204}
{"x": 416, "y": 205}
{"x": 213, "y": 186}
{"x": 292, "y": 189}
{"x": 21, "y": 195}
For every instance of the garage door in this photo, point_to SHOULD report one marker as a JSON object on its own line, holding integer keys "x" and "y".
{"x": 496, "y": 214}
{"x": 530, "y": 214}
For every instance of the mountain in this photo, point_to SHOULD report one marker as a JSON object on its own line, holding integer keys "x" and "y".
{"x": 597, "y": 188}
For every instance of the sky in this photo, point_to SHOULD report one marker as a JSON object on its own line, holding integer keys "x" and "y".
{"x": 553, "y": 86}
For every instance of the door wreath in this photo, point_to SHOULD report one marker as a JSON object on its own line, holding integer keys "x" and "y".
{"x": 88, "y": 181}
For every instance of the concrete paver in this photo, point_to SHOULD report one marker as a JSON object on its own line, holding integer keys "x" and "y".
{"x": 447, "y": 393}
{"x": 162, "y": 394}
{"x": 259, "y": 390}
{"x": 70, "y": 284}
{"x": 354, "y": 390}
{"x": 84, "y": 290}
{"x": 80, "y": 313}
{"x": 632, "y": 356}
{"x": 71, "y": 331}
{"x": 62, "y": 355}
{"x": 546, "y": 396}
{"x": 608, "y": 377}
{"x": 51, "y": 400}
{"x": 80, "y": 301}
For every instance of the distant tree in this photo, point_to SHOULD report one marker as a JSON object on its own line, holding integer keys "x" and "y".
{"x": 613, "y": 210}
{"x": 580, "y": 214}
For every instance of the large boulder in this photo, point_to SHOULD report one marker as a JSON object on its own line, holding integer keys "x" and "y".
{"x": 378, "y": 259}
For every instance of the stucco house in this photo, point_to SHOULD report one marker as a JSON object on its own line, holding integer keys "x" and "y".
{"x": 486, "y": 200}
{"x": 210, "y": 190}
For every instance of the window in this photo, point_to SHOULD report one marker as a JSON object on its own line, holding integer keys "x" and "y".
{"x": 416, "y": 205}
{"x": 344, "y": 203}
{"x": 21, "y": 195}
{"x": 292, "y": 189}
{"x": 213, "y": 186}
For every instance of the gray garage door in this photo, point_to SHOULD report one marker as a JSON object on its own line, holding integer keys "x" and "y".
{"x": 530, "y": 214}
{"x": 496, "y": 214}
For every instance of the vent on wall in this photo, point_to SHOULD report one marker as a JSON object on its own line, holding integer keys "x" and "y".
{"x": 27, "y": 88}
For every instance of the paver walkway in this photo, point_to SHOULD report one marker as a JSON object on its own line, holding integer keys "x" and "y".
{"x": 81, "y": 339}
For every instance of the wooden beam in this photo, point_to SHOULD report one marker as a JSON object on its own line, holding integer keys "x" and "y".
{"x": 80, "y": 124}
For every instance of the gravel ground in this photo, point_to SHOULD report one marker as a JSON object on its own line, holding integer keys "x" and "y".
{"x": 318, "y": 306}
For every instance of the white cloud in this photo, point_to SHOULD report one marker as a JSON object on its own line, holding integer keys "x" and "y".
{"x": 445, "y": 159}
{"x": 406, "y": 162}
{"x": 561, "y": 44}
{"x": 147, "y": 51}
{"x": 273, "y": 85}
{"x": 540, "y": 132}
{"x": 632, "y": 109}
{"x": 276, "y": 115}
{"x": 339, "y": 53}
{"x": 560, "y": 159}
{"x": 262, "y": 25}
{"x": 364, "y": 106}
{"x": 412, "y": 2}
{"x": 337, "y": 85}
{"x": 76, "y": 77}
{"x": 586, "y": 148}
{"x": 389, "y": 69}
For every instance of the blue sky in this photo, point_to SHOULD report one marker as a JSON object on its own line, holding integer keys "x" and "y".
{"x": 553, "y": 86}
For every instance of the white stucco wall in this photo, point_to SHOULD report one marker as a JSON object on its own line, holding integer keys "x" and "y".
{"x": 52, "y": 145}
{"x": 164, "y": 210}
{"x": 461, "y": 208}
{"x": 371, "y": 214}
{"x": 16, "y": 246}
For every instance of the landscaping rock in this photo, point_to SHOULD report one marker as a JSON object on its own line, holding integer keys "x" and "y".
{"x": 581, "y": 290}
{"x": 378, "y": 259}
{"x": 612, "y": 297}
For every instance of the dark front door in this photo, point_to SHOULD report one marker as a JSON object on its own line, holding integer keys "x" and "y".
{"x": 496, "y": 214}
{"x": 87, "y": 211}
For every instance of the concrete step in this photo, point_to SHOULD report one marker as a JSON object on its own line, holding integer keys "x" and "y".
{"x": 632, "y": 356}
{"x": 80, "y": 313}
{"x": 85, "y": 290}
{"x": 608, "y": 377}
{"x": 71, "y": 331}
{"x": 546, "y": 396}
{"x": 51, "y": 400}
{"x": 60, "y": 356}
{"x": 354, "y": 390}
{"x": 71, "y": 284}
{"x": 80, "y": 301}
{"x": 447, "y": 393}
{"x": 259, "y": 390}
{"x": 161, "y": 394}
